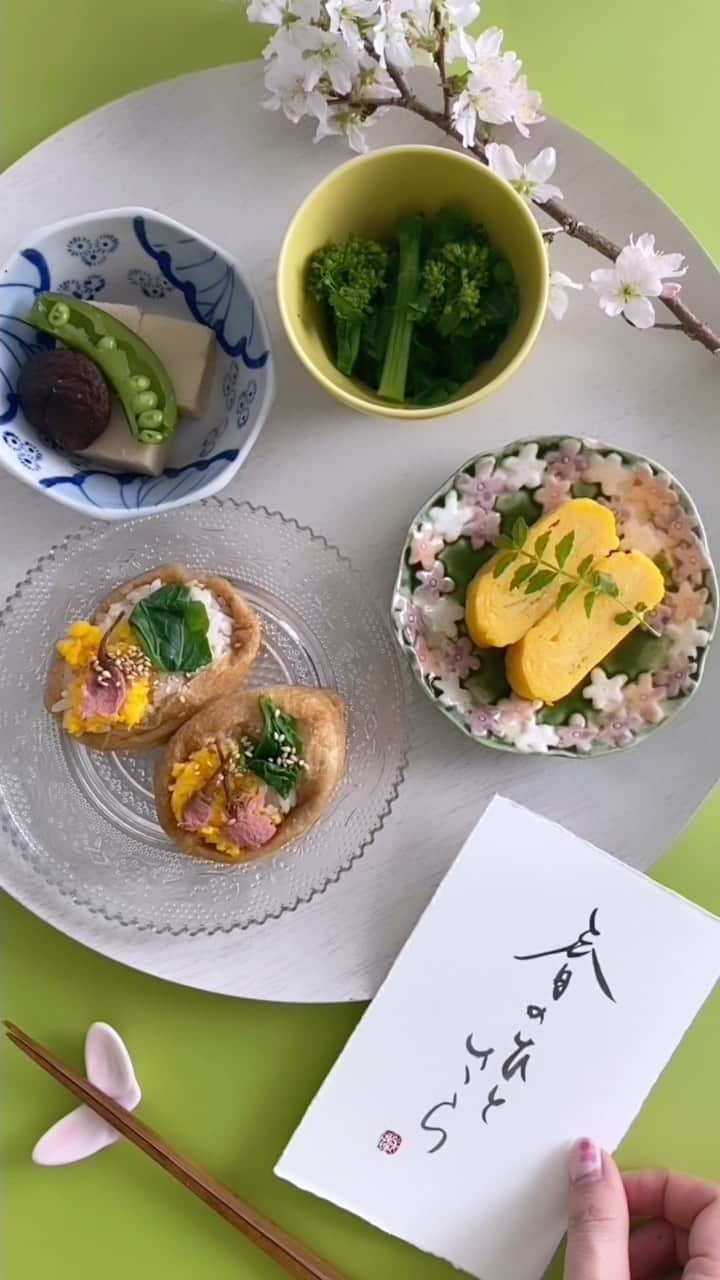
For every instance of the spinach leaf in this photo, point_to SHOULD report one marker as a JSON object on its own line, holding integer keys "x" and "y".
{"x": 277, "y": 758}
{"x": 172, "y": 629}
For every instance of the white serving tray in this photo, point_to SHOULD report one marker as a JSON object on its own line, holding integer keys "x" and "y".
{"x": 201, "y": 149}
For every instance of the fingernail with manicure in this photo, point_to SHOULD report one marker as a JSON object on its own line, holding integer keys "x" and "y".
{"x": 585, "y": 1162}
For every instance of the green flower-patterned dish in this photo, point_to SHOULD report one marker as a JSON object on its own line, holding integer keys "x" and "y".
{"x": 642, "y": 683}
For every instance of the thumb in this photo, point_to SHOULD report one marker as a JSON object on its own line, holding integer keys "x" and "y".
{"x": 598, "y": 1220}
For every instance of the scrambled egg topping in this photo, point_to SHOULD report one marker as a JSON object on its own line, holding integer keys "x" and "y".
{"x": 190, "y": 776}
{"x": 78, "y": 649}
{"x": 80, "y": 645}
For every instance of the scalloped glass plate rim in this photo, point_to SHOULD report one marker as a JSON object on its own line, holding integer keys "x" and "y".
{"x": 9, "y": 827}
{"x": 453, "y": 714}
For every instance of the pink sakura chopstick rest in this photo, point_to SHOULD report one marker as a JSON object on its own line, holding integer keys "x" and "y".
{"x": 81, "y": 1133}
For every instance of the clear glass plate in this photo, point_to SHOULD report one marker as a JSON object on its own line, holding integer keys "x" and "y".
{"x": 86, "y": 821}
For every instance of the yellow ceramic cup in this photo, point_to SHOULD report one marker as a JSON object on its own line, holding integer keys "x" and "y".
{"x": 366, "y": 197}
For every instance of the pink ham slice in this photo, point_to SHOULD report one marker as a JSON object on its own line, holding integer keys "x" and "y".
{"x": 197, "y": 812}
{"x": 104, "y": 698}
{"x": 249, "y": 828}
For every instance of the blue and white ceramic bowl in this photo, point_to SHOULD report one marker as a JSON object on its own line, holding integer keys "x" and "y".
{"x": 142, "y": 257}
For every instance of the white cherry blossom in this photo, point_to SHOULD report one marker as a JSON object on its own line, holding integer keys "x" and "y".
{"x": 527, "y": 106}
{"x": 276, "y": 14}
{"x": 284, "y": 80}
{"x": 530, "y": 180}
{"x": 390, "y": 36}
{"x": 524, "y": 470}
{"x": 558, "y": 300}
{"x": 348, "y": 122}
{"x": 489, "y": 95}
{"x": 327, "y": 55}
{"x": 345, "y": 15}
{"x": 605, "y": 692}
{"x": 637, "y": 276}
{"x": 450, "y": 519}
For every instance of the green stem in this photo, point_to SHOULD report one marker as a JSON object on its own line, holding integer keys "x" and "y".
{"x": 585, "y": 581}
{"x": 395, "y": 366}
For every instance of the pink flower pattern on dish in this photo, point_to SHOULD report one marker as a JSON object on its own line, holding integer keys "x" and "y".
{"x": 677, "y": 680}
{"x": 643, "y": 699}
{"x": 482, "y": 528}
{"x": 687, "y": 603}
{"x": 619, "y": 728}
{"x": 483, "y": 486}
{"x": 553, "y": 492}
{"x": 425, "y": 546}
{"x": 460, "y": 657}
{"x": 577, "y": 734}
{"x": 485, "y": 721}
{"x": 569, "y": 462}
{"x": 690, "y": 561}
{"x": 434, "y": 582}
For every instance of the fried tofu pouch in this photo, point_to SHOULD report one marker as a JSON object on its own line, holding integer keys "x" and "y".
{"x": 496, "y": 615}
{"x": 321, "y": 721}
{"x": 206, "y": 685}
{"x": 565, "y": 646}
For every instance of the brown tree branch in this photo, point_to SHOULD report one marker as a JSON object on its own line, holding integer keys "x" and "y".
{"x": 692, "y": 326}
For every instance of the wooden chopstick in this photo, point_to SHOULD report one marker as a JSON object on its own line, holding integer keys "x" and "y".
{"x": 294, "y": 1257}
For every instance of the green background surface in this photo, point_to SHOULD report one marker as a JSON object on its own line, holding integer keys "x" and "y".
{"x": 228, "y": 1080}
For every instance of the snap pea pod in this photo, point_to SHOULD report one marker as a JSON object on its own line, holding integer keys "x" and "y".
{"x": 134, "y": 372}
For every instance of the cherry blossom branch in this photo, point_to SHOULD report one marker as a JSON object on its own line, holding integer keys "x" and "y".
{"x": 692, "y": 326}
{"x": 440, "y": 60}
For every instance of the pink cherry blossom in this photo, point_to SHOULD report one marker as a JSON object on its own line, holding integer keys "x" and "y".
{"x": 687, "y": 603}
{"x": 484, "y": 486}
{"x": 425, "y": 546}
{"x": 460, "y": 657}
{"x": 553, "y": 492}
{"x": 643, "y": 699}
{"x": 434, "y": 582}
{"x": 678, "y": 679}
{"x": 482, "y": 528}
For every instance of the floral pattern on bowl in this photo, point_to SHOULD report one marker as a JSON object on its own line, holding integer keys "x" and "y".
{"x": 642, "y": 683}
{"x": 137, "y": 256}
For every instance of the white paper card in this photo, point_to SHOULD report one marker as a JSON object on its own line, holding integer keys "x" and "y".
{"x": 577, "y": 975}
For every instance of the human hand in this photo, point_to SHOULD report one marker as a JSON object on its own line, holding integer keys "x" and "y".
{"x": 682, "y": 1227}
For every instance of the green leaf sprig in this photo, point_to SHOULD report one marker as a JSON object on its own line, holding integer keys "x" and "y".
{"x": 277, "y": 758}
{"x": 172, "y": 629}
{"x": 542, "y": 565}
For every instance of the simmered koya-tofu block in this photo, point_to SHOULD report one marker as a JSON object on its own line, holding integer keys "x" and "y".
{"x": 187, "y": 350}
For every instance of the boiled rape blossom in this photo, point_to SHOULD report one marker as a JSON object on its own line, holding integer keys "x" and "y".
{"x": 529, "y": 180}
{"x": 638, "y": 275}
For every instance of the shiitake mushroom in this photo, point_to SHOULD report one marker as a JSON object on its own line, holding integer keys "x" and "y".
{"x": 64, "y": 395}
